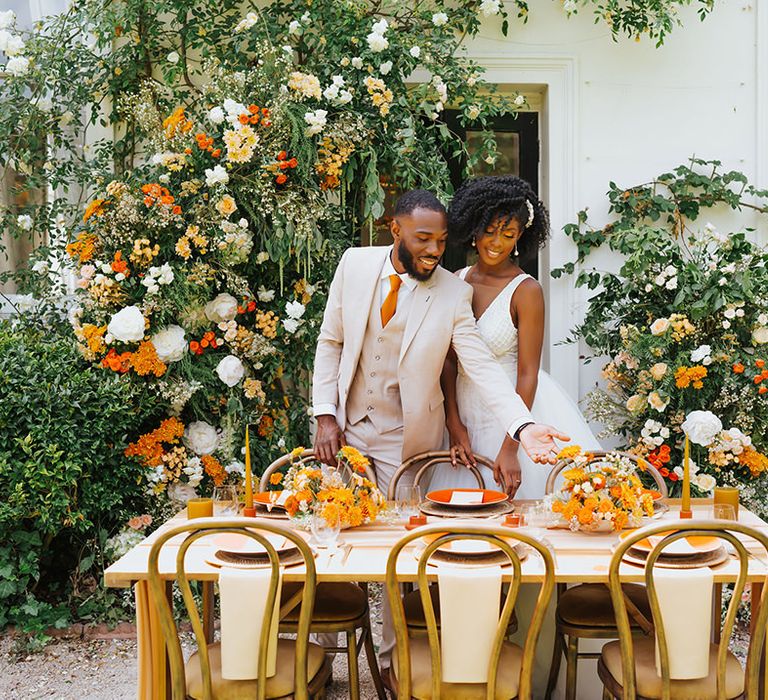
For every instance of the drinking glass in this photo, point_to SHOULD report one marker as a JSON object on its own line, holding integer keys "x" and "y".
{"x": 226, "y": 502}
{"x": 325, "y": 525}
{"x": 724, "y": 511}
{"x": 408, "y": 500}
{"x": 535, "y": 517}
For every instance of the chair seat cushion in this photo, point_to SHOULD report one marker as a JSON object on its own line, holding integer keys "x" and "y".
{"x": 414, "y": 610}
{"x": 649, "y": 683}
{"x": 334, "y": 602}
{"x": 590, "y": 605}
{"x": 278, "y": 686}
{"x": 507, "y": 678}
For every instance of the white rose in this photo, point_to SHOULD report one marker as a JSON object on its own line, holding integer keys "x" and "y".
{"x": 490, "y": 7}
{"x": 730, "y": 313}
{"x": 295, "y": 309}
{"x": 520, "y": 100}
{"x": 415, "y": 51}
{"x": 671, "y": 283}
{"x": 762, "y": 319}
{"x": 14, "y": 45}
{"x": 127, "y": 325}
{"x": 380, "y": 27}
{"x": 173, "y": 57}
{"x": 660, "y": 326}
{"x": 7, "y": 19}
{"x": 316, "y": 121}
{"x": 702, "y": 427}
{"x": 700, "y": 353}
{"x": 216, "y": 175}
{"x": 18, "y": 66}
{"x": 376, "y": 42}
{"x": 357, "y": 62}
{"x": 705, "y": 482}
{"x": 385, "y": 67}
{"x": 170, "y": 343}
{"x": 473, "y": 112}
{"x": 291, "y": 324}
{"x": 726, "y": 325}
{"x": 24, "y": 221}
{"x": 41, "y": 267}
{"x": 230, "y": 370}
{"x": 201, "y": 437}
{"x": 760, "y": 335}
{"x": 439, "y": 19}
{"x": 222, "y": 308}
{"x": 658, "y": 370}
{"x": 636, "y": 403}
{"x": 216, "y": 115}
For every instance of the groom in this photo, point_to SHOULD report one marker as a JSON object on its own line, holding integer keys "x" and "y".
{"x": 391, "y": 316}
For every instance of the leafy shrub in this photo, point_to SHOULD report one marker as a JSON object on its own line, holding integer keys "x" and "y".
{"x": 63, "y": 476}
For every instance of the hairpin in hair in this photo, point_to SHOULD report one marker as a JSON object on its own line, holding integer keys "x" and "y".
{"x": 530, "y": 213}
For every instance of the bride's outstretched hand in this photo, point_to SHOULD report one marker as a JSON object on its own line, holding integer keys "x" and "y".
{"x": 538, "y": 441}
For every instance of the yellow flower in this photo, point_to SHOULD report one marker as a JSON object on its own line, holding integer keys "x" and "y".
{"x": 226, "y": 205}
{"x": 276, "y": 478}
{"x": 296, "y": 452}
{"x": 569, "y": 452}
{"x": 354, "y": 458}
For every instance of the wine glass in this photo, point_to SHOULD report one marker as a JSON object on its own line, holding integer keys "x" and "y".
{"x": 325, "y": 525}
{"x": 535, "y": 517}
{"x": 409, "y": 500}
{"x": 225, "y": 501}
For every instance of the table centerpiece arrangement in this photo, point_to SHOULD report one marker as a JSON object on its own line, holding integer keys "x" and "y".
{"x": 345, "y": 491}
{"x": 601, "y": 495}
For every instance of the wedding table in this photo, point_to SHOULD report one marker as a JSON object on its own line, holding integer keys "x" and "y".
{"x": 580, "y": 558}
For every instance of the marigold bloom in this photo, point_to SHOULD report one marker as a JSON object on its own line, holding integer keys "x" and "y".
{"x": 738, "y": 368}
{"x": 275, "y": 478}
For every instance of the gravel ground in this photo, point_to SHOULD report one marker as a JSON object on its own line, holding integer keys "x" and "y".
{"x": 74, "y": 669}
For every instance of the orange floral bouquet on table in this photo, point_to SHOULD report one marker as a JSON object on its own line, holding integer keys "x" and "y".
{"x": 598, "y": 495}
{"x": 345, "y": 490}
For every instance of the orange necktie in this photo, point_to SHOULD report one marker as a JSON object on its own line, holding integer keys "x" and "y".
{"x": 389, "y": 306}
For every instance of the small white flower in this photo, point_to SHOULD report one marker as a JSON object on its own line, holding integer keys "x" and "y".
{"x": 471, "y": 81}
{"x": 726, "y": 325}
{"x": 44, "y": 103}
{"x": 569, "y": 6}
{"x": 648, "y": 287}
{"x": 740, "y": 313}
{"x": 265, "y": 295}
{"x": 377, "y": 42}
{"x": 247, "y": 22}
{"x": 216, "y": 115}
{"x": 705, "y": 482}
{"x": 490, "y": 7}
{"x": 173, "y": 57}
{"x": 18, "y": 66}
{"x": 519, "y": 100}
{"x": 41, "y": 267}
{"x": 230, "y": 370}
{"x": 316, "y": 121}
{"x": 730, "y": 313}
{"x": 24, "y": 221}
{"x": 7, "y": 18}
{"x": 760, "y": 335}
{"x": 216, "y": 175}
{"x": 701, "y": 353}
{"x": 222, "y": 308}
{"x": 762, "y": 319}
{"x": 722, "y": 281}
{"x": 120, "y": 276}
{"x": 660, "y": 280}
{"x": 380, "y": 27}
{"x": 357, "y": 62}
{"x": 288, "y": 50}
{"x": 291, "y": 324}
{"x": 415, "y": 51}
{"x": 385, "y": 67}
{"x": 731, "y": 268}
{"x": 262, "y": 257}
{"x": 294, "y": 27}
{"x": 295, "y": 309}
{"x": 12, "y": 45}
{"x": 473, "y": 112}
{"x": 439, "y": 19}
{"x": 281, "y": 443}
{"x": 671, "y": 283}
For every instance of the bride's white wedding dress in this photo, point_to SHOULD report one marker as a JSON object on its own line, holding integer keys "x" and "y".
{"x": 551, "y": 406}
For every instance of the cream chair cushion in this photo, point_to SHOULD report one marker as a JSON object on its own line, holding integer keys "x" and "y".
{"x": 280, "y": 685}
{"x": 649, "y": 683}
{"x": 507, "y": 683}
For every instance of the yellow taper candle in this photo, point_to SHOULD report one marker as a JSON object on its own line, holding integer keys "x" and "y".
{"x": 248, "y": 473}
{"x": 685, "y": 509}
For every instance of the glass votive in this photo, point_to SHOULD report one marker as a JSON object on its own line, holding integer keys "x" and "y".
{"x": 512, "y": 520}
{"x": 728, "y": 495}
{"x": 199, "y": 508}
{"x": 723, "y": 511}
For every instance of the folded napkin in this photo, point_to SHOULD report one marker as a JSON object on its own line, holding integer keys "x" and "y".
{"x": 243, "y": 597}
{"x": 469, "y": 614}
{"x": 685, "y": 600}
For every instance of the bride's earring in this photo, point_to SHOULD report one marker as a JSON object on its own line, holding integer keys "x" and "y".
{"x": 516, "y": 253}
{"x": 474, "y": 245}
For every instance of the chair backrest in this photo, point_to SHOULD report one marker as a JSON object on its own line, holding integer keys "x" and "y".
{"x": 420, "y": 464}
{"x": 254, "y": 529}
{"x": 306, "y": 457}
{"x": 725, "y": 530}
{"x": 503, "y": 538}
{"x": 643, "y": 466}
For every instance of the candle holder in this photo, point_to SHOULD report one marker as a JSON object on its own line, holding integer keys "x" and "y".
{"x": 249, "y": 512}
{"x": 686, "y": 514}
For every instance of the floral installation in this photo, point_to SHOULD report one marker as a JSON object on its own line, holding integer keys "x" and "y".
{"x": 598, "y": 494}
{"x": 346, "y": 492}
{"x": 132, "y": 533}
{"x": 684, "y": 324}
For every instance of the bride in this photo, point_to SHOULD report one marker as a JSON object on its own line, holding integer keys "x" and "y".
{"x": 503, "y": 220}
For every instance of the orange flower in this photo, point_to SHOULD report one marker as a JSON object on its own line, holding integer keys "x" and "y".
{"x": 214, "y": 469}
{"x": 149, "y": 446}
{"x": 586, "y": 516}
{"x": 117, "y": 362}
{"x": 266, "y": 426}
{"x": 83, "y": 247}
{"x": 120, "y": 265}
{"x": 275, "y": 478}
{"x": 762, "y": 389}
{"x": 281, "y": 178}
{"x": 738, "y": 368}
{"x": 760, "y": 364}
{"x": 145, "y": 360}
{"x": 176, "y": 123}
{"x": 95, "y": 208}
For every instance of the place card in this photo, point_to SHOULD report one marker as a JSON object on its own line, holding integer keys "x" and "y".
{"x": 464, "y": 498}
{"x": 283, "y": 497}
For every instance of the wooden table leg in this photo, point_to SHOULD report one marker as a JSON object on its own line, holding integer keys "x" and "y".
{"x": 143, "y": 641}
{"x": 756, "y": 594}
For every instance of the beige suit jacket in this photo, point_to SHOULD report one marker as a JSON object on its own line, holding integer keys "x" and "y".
{"x": 440, "y": 316}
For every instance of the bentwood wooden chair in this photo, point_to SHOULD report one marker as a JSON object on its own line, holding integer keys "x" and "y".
{"x": 416, "y": 662}
{"x": 302, "y": 668}
{"x": 418, "y": 468}
{"x": 627, "y": 667}
{"x": 340, "y": 608}
{"x": 585, "y": 611}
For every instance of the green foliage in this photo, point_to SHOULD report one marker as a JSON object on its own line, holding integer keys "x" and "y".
{"x": 62, "y": 472}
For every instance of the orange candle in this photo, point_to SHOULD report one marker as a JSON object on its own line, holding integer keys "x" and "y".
{"x": 248, "y": 473}
{"x": 199, "y": 508}
{"x": 729, "y": 495}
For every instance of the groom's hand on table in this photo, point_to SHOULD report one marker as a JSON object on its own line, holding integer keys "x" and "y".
{"x": 328, "y": 440}
{"x": 538, "y": 441}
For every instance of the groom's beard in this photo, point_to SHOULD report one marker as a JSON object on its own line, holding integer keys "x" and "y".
{"x": 406, "y": 258}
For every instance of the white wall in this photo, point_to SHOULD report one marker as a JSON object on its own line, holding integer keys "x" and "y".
{"x": 626, "y": 112}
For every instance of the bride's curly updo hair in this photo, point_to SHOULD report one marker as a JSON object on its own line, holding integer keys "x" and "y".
{"x": 481, "y": 200}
